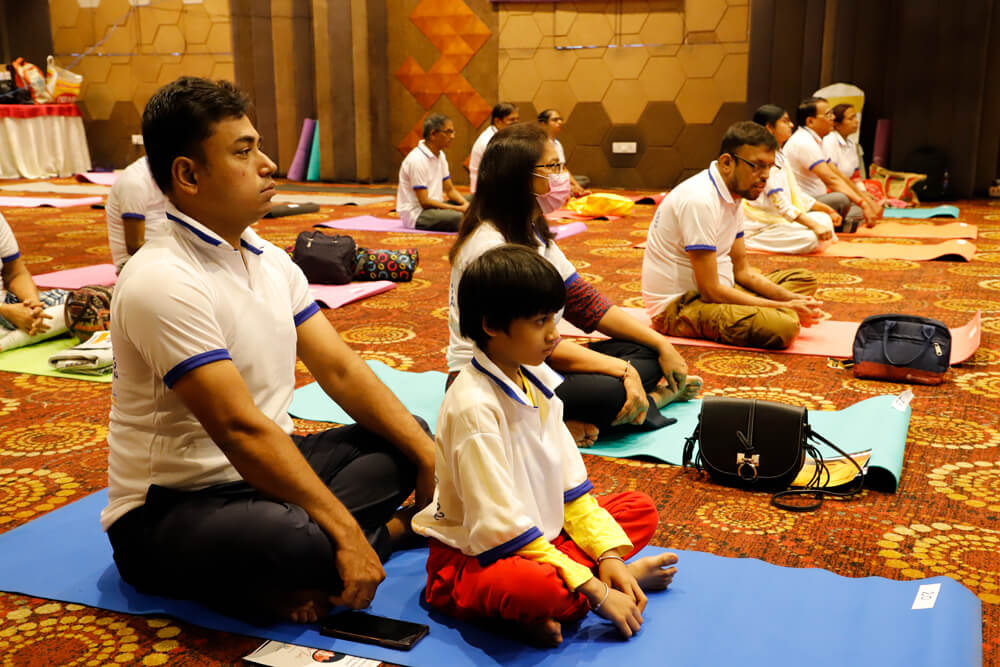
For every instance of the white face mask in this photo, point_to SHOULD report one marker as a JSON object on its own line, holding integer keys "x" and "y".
{"x": 558, "y": 194}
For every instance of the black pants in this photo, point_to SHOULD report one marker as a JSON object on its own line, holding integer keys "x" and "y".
{"x": 597, "y": 399}
{"x": 229, "y": 546}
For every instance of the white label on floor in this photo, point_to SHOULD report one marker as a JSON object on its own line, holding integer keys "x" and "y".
{"x": 903, "y": 400}
{"x": 926, "y": 596}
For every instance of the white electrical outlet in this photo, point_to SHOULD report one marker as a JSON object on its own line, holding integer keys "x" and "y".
{"x": 137, "y": 140}
{"x": 624, "y": 147}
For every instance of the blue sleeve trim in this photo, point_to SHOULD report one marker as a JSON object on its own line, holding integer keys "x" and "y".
{"x": 772, "y": 191}
{"x": 191, "y": 363}
{"x": 133, "y": 216}
{"x": 699, "y": 246}
{"x": 572, "y": 279}
{"x": 509, "y": 547}
{"x": 446, "y": 178}
{"x": 256, "y": 251}
{"x": 419, "y": 187}
{"x": 11, "y": 258}
{"x": 306, "y": 313}
{"x": 739, "y": 235}
{"x": 577, "y": 491}
{"x": 819, "y": 162}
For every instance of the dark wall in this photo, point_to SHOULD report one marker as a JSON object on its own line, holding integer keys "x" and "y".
{"x": 25, "y": 31}
{"x": 930, "y": 66}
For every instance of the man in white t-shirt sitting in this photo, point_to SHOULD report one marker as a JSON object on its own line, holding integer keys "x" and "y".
{"x": 210, "y": 495}
{"x": 426, "y": 198}
{"x": 135, "y": 212}
{"x": 696, "y": 281}
{"x": 504, "y": 114}
{"x": 814, "y": 172}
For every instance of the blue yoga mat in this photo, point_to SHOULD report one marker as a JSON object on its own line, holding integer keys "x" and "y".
{"x": 719, "y": 611}
{"x": 943, "y": 211}
{"x": 871, "y": 424}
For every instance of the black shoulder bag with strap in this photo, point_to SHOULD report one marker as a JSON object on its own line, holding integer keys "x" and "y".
{"x": 761, "y": 446}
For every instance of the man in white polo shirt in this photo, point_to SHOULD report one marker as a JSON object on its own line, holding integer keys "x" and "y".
{"x": 135, "y": 212}
{"x": 696, "y": 281}
{"x": 210, "y": 496}
{"x": 817, "y": 177}
{"x": 426, "y": 198}
{"x": 504, "y": 114}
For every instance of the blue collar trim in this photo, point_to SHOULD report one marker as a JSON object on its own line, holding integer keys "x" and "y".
{"x": 197, "y": 232}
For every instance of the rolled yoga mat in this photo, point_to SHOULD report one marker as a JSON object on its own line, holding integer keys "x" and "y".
{"x": 312, "y": 172}
{"x": 297, "y": 172}
{"x": 717, "y": 611}
{"x": 34, "y": 360}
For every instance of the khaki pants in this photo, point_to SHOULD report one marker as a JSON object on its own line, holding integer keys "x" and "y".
{"x": 744, "y": 326}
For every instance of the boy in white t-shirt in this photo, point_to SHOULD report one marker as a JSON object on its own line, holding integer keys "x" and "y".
{"x": 514, "y": 532}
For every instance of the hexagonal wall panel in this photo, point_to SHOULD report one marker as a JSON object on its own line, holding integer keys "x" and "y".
{"x": 554, "y": 65}
{"x": 520, "y": 32}
{"x": 588, "y": 123}
{"x": 623, "y": 133}
{"x": 626, "y": 62}
{"x": 663, "y": 28}
{"x": 589, "y": 29}
{"x": 729, "y": 113}
{"x": 734, "y": 26}
{"x": 169, "y": 39}
{"x": 699, "y": 100}
{"x": 625, "y": 100}
{"x": 196, "y": 25}
{"x": 704, "y": 14}
{"x": 731, "y": 77}
{"x": 554, "y": 95}
{"x": 698, "y": 145}
{"x": 701, "y": 60}
{"x": 519, "y": 80}
{"x": 590, "y": 79}
{"x": 661, "y": 123}
{"x": 660, "y": 167}
{"x": 63, "y": 13}
{"x": 590, "y": 161}
{"x": 662, "y": 78}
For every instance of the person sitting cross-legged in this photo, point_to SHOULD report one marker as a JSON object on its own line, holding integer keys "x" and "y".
{"x": 426, "y": 198}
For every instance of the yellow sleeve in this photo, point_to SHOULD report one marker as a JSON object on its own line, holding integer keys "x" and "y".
{"x": 593, "y": 529}
{"x": 541, "y": 550}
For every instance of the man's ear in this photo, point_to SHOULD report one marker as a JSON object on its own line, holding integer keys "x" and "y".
{"x": 184, "y": 174}
{"x": 725, "y": 163}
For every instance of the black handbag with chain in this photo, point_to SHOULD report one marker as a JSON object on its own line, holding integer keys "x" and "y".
{"x": 761, "y": 445}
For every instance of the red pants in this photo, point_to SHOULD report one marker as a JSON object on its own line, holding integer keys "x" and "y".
{"x": 523, "y": 590}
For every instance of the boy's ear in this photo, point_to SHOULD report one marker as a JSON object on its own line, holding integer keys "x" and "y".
{"x": 490, "y": 331}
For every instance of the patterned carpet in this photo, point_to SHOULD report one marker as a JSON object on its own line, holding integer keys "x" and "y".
{"x": 942, "y": 520}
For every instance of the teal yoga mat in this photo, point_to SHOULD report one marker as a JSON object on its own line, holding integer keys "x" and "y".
{"x": 943, "y": 211}
{"x": 34, "y": 360}
{"x": 312, "y": 173}
{"x": 718, "y": 611}
{"x": 871, "y": 424}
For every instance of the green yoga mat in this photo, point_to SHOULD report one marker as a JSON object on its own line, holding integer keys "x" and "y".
{"x": 34, "y": 360}
{"x": 871, "y": 424}
{"x": 312, "y": 172}
{"x": 944, "y": 211}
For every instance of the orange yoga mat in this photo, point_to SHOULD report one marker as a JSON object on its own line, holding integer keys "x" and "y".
{"x": 959, "y": 249}
{"x": 904, "y": 230}
{"x": 830, "y": 338}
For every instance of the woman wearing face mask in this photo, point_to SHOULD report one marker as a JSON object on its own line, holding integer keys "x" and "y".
{"x": 611, "y": 383}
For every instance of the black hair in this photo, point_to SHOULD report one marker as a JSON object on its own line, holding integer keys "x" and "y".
{"x": 769, "y": 114}
{"x": 747, "y": 133}
{"x": 434, "y": 122}
{"x": 504, "y": 194}
{"x": 501, "y": 110}
{"x": 840, "y": 111}
{"x": 807, "y": 110}
{"x": 504, "y": 284}
{"x": 546, "y": 114}
{"x": 180, "y": 116}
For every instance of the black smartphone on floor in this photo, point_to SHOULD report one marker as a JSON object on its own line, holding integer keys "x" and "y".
{"x": 359, "y": 626}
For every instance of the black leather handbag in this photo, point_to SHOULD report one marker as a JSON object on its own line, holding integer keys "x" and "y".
{"x": 902, "y": 348}
{"x": 761, "y": 446}
{"x": 326, "y": 259}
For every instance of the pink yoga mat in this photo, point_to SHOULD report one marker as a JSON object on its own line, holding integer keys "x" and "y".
{"x": 369, "y": 223}
{"x": 830, "y": 338}
{"x": 297, "y": 172}
{"x": 335, "y": 296}
{"x": 903, "y": 230}
{"x": 32, "y": 202}
{"x": 99, "y": 274}
{"x": 959, "y": 249}
{"x": 98, "y": 177}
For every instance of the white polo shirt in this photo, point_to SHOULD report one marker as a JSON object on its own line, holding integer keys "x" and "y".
{"x": 843, "y": 152}
{"x": 191, "y": 301}
{"x": 803, "y": 151}
{"x": 504, "y": 467}
{"x": 8, "y": 251}
{"x": 484, "y": 238}
{"x": 778, "y": 197}
{"x": 420, "y": 170}
{"x": 699, "y": 214}
{"x": 134, "y": 196}
{"x": 559, "y": 150}
{"x": 476, "y": 156}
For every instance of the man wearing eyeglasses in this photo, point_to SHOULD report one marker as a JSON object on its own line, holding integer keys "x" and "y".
{"x": 814, "y": 172}
{"x": 426, "y": 198}
{"x": 696, "y": 281}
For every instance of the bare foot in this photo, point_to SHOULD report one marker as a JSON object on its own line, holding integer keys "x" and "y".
{"x": 654, "y": 573}
{"x": 663, "y": 396}
{"x": 399, "y": 527}
{"x": 546, "y": 634}
{"x": 583, "y": 434}
{"x": 302, "y": 606}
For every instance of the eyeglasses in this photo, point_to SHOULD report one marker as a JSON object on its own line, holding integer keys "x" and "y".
{"x": 552, "y": 167}
{"x": 450, "y": 132}
{"x": 754, "y": 167}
